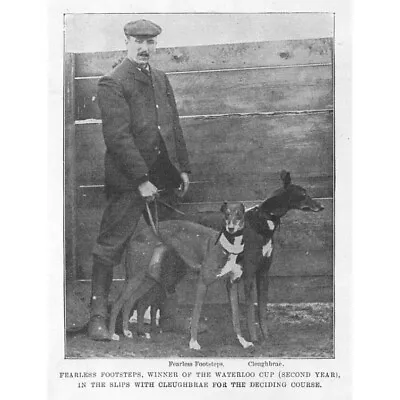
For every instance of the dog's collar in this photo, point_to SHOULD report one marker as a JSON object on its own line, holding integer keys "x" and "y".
{"x": 228, "y": 246}
{"x": 234, "y": 234}
{"x": 227, "y": 234}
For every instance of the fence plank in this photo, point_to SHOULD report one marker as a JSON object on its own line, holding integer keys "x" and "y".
{"x": 69, "y": 171}
{"x": 237, "y": 55}
{"x": 236, "y": 157}
{"x": 240, "y": 91}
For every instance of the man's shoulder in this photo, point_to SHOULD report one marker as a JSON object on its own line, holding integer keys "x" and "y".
{"x": 119, "y": 74}
{"x": 157, "y": 71}
{"x": 121, "y": 70}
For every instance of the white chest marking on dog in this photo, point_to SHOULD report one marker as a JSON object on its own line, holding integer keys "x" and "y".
{"x": 271, "y": 225}
{"x": 229, "y": 265}
{"x": 235, "y": 248}
{"x": 236, "y": 272}
{"x": 267, "y": 249}
{"x": 232, "y": 268}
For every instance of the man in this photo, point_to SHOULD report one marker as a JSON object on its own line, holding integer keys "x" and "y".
{"x": 145, "y": 152}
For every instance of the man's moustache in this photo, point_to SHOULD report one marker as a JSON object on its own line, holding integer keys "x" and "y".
{"x": 143, "y": 54}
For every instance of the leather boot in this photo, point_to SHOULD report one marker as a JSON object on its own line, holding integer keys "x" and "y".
{"x": 101, "y": 283}
{"x": 170, "y": 321}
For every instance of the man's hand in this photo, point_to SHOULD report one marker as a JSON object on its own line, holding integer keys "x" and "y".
{"x": 147, "y": 190}
{"x": 185, "y": 182}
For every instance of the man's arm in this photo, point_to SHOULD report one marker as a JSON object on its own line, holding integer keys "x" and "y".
{"x": 116, "y": 116}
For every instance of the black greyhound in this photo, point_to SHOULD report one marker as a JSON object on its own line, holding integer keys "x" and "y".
{"x": 260, "y": 225}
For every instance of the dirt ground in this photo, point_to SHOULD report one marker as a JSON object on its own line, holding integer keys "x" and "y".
{"x": 295, "y": 331}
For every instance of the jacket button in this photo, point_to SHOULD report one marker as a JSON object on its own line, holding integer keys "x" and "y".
{"x": 156, "y": 105}
{"x": 159, "y": 127}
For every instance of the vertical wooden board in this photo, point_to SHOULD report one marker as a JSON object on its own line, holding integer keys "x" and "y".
{"x": 235, "y": 55}
{"x": 69, "y": 168}
{"x": 90, "y": 150}
{"x": 236, "y": 91}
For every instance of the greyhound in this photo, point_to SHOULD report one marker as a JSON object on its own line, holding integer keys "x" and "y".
{"x": 213, "y": 255}
{"x": 201, "y": 249}
{"x": 261, "y": 223}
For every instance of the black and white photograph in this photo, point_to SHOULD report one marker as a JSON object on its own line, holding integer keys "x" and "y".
{"x": 198, "y": 213}
{"x": 199, "y": 185}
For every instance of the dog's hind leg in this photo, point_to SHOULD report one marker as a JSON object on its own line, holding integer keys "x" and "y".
{"x": 145, "y": 286}
{"x": 194, "y": 325}
{"x": 130, "y": 287}
{"x": 262, "y": 280}
{"x": 140, "y": 310}
{"x": 155, "y": 307}
{"x": 249, "y": 287}
{"x": 233, "y": 291}
{"x": 153, "y": 316}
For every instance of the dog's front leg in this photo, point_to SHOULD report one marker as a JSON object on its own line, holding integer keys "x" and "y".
{"x": 194, "y": 325}
{"x": 233, "y": 290}
{"x": 262, "y": 298}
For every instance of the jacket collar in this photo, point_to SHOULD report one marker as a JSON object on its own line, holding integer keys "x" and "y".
{"x": 137, "y": 71}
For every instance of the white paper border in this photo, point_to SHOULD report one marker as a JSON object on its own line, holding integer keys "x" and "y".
{"x": 343, "y": 166}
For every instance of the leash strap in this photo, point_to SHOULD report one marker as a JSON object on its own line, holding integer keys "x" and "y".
{"x": 219, "y": 235}
{"x": 156, "y": 216}
{"x": 169, "y": 206}
{"x": 154, "y": 226}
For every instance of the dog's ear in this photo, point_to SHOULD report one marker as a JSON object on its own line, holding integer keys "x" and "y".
{"x": 224, "y": 206}
{"x": 286, "y": 179}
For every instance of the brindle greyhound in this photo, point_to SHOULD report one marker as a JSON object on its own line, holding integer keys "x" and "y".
{"x": 196, "y": 246}
{"x": 231, "y": 239}
{"x": 200, "y": 248}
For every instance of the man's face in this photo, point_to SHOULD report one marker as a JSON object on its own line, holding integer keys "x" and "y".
{"x": 141, "y": 49}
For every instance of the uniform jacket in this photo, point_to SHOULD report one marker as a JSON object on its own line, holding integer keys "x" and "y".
{"x": 137, "y": 111}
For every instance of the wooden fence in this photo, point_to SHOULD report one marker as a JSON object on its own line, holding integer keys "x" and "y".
{"x": 247, "y": 111}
